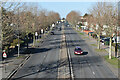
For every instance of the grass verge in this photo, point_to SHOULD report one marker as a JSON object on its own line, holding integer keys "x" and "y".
{"x": 93, "y": 45}
{"x": 114, "y": 61}
{"x": 19, "y": 57}
{"x": 81, "y": 33}
{"x": 100, "y": 50}
{"x": 85, "y": 37}
{"x": 38, "y": 41}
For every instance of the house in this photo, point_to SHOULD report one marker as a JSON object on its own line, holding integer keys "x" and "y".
{"x": 83, "y": 23}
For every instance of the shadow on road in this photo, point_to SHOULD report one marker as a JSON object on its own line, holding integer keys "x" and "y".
{"x": 68, "y": 41}
{"x": 70, "y": 33}
{"x": 51, "y": 68}
{"x": 39, "y": 50}
{"x": 85, "y": 53}
{"x": 68, "y": 28}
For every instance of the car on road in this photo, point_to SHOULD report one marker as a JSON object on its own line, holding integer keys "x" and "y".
{"x": 52, "y": 33}
{"x": 78, "y": 50}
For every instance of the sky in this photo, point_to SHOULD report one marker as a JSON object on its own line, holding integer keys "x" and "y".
{"x": 63, "y": 8}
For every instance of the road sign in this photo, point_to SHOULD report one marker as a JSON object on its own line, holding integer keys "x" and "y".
{"x": 4, "y": 55}
{"x": 42, "y": 31}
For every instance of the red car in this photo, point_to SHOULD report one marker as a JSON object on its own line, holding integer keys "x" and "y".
{"x": 78, "y": 50}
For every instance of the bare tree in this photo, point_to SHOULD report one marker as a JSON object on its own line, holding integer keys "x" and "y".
{"x": 30, "y": 19}
{"x": 73, "y": 17}
{"x": 111, "y": 20}
{"x": 53, "y": 17}
{"x": 104, "y": 14}
{"x": 7, "y": 13}
{"x": 98, "y": 19}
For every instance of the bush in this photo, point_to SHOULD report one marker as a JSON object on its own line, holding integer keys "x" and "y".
{"x": 15, "y": 42}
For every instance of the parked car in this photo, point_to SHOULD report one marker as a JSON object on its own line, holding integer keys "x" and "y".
{"x": 101, "y": 37}
{"x": 106, "y": 39}
{"x": 78, "y": 50}
{"x": 90, "y": 33}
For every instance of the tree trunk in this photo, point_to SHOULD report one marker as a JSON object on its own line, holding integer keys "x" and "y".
{"x": 98, "y": 41}
{"x": 110, "y": 49}
{"x": 33, "y": 40}
{"x": 27, "y": 41}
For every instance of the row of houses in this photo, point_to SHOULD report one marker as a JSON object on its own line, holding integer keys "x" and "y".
{"x": 84, "y": 26}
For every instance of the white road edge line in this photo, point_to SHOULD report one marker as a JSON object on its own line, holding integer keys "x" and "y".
{"x": 18, "y": 68}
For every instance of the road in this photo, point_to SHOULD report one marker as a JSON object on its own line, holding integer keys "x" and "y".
{"x": 44, "y": 62}
{"x": 88, "y": 65}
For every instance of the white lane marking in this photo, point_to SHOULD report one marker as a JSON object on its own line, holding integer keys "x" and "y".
{"x": 70, "y": 64}
{"x": 94, "y": 73}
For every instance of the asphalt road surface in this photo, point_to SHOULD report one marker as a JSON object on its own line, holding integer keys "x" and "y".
{"x": 44, "y": 61}
{"x": 88, "y": 65}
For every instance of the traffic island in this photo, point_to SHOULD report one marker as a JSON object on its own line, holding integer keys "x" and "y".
{"x": 63, "y": 70}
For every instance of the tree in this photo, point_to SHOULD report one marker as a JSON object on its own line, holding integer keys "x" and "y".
{"x": 53, "y": 17}
{"x": 73, "y": 17}
{"x": 105, "y": 14}
{"x": 29, "y": 19}
{"x": 98, "y": 19}
{"x": 7, "y": 13}
{"x": 111, "y": 20}
{"x": 7, "y": 30}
